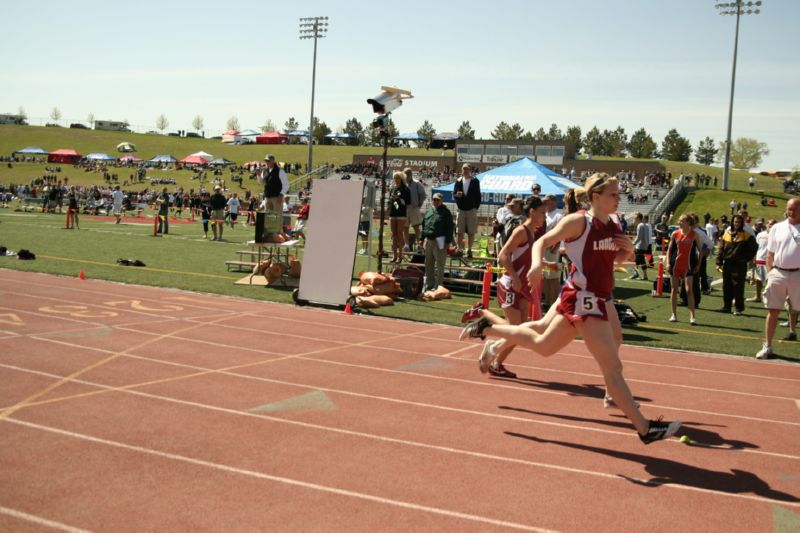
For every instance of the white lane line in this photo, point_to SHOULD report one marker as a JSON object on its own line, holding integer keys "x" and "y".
{"x": 440, "y": 326}
{"x": 483, "y": 383}
{"x": 40, "y": 521}
{"x": 129, "y": 389}
{"x": 280, "y": 479}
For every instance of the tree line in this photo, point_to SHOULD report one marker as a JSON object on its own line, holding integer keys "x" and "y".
{"x": 746, "y": 152}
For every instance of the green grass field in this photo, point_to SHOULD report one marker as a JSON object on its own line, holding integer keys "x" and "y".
{"x": 185, "y": 260}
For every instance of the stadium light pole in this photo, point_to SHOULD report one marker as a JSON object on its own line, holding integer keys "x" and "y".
{"x": 313, "y": 28}
{"x": 738, "y": 8}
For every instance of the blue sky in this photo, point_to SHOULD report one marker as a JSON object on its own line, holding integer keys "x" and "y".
{"x": 651, "y": 64}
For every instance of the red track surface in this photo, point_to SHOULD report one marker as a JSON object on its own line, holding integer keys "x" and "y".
{"x": 126, "y": 408}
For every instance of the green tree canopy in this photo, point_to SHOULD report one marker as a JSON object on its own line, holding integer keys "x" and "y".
{"x": 706, "y": 152}
{"x": 675, "y": 148}
{"x": 291, "y": 124}
{"x": 504, "y": 132}
{"x": 465, "y": 131}
{"x": 593, "y": 142}
{"x": 746, "y": 153}
{"x": 573, "y": 135}
{"x": 641, "y": 145}
{"x": 426, "y": 130}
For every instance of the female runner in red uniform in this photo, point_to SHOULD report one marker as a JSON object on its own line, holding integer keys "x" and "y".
{"x": 513, "y": 292}
{"x": 593, "y": 242}
{"x": 683, "y": 255}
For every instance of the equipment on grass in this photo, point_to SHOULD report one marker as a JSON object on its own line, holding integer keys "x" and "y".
{"x": 626, "y": 313}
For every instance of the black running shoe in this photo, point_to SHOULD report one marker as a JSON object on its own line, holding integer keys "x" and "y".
{"x": 500, "y": 371}
{"x": 659, "y": 430}
{"x": 474, "y": 330}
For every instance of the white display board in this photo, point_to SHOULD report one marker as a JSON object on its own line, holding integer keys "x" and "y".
{"x": 331, "y": 241}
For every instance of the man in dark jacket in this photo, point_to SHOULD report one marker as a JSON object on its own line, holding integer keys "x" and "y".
{"x": 467, "y": 192}
{"x": 736, "y": 248}
{"x": 437, "y": 228}
{"x": 218, "y": 203}
{"x": 274, "y": 180}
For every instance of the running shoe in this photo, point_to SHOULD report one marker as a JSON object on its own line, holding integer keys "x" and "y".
{"x": 693, "y": 321}
{"x": 659, "y": 430}
{"x": 474, "y": 330}
{"x": 673, "y": 318}
{"x": 791, "y": 336}
{"x": 765, "y": 352}
{"x": 474, "y": 313}
{"x": 500, "y": 371}
{"x": 487, "y": 356}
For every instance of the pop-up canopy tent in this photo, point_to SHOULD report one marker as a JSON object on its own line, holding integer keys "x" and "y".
{"x": 97, "y": 156}
{"x": 162, "y": 158}
{"x": 128, "y": 158}
{"x": 64, "y": 155}
{"x": 194, "y": 159}
{"x": 515, "y": 178}
{"x": 204, "y": 155}
{"x": 221, "y": 162}
{"x": 271, "y": 137}
{"x": 444, "y": 140}
{"x": 410, "y": 137}
{"x": 297, "y": 133}
{"x": 126, "y": 147}
{"x": 32, "y": 150}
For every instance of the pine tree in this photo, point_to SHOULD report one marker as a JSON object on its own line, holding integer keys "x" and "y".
{"x": 675, "y": 148}
{"x": 642, "y": 145}
{"x": 465, "y": 131}
{"x": 706, "y": 151}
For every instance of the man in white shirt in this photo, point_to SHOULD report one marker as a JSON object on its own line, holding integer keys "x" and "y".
{"x": 783, "y": 275}
{"x": 761, "y": 260}
{"x": 116, "y": 207}
{"x": 233, "y": 208}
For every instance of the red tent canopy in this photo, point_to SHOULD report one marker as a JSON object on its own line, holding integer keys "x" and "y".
{"x": 193, "y": 160}
{"x": 231, "y": 132}
{"x": 272, "y": 137}
{"x": 64, "y": 155}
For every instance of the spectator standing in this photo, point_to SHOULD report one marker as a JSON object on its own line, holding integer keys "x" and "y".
{"x": 467, "y": 192}
{"x": 662, "y": 231}
{"x": 116, "y": 206}
{"x": 536, "y": 190}
{"x": 783, "y": 275}
{"x": 163, "y": 212}
{"x": 683, "y": 255}
{"x": 218, "y": 203}
{"x": 751, "y": 182}
{"x": 364, "y": 227}
{"x": 437, "y": 228}
{"x": 762, "y": 240}
{"x": 414, "y": 209}
{"x": 233, "y": 208}
{"x": 551, "y": 277}
{"x": 205, "y": 211}
{"x": 276, "y": 184}
{"x": 73, "y": 208}
{"x": 732, "y": 205}
{"x": 737, "y": 248}
{"x": 712, "y": 231}
{"x": 399, "y": 197}
{"x": 641, "y": 247}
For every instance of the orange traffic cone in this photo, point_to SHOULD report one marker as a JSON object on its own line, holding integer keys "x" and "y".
{"x": 348, "y": 310}
{"x": 81, "y": 275}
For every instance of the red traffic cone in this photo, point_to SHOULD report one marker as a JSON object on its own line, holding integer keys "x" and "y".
{"x": 81, "y": 275}
{"x": 348, "y": 309}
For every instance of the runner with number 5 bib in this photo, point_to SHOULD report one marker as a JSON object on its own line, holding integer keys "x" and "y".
{"x": 594, "y": 243}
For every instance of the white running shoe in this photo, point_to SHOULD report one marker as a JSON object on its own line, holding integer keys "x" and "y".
{"x": 765, "y": 352}
{"x": 693, "y": 321}
{"x": 487, "y": 356}
{"x": 673, "y": 318}
{"x": 608, "y": 402}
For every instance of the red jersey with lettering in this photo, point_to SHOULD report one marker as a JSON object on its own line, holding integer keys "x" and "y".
{"x": 592, "y": 255}
{"x": 521, "y": 260}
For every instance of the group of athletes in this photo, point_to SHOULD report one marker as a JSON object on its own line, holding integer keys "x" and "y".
{"x": 593, "y": 241}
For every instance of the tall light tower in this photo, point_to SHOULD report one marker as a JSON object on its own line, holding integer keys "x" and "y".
{"x": 313, "y": 28}
{"x": 734, "y": 8}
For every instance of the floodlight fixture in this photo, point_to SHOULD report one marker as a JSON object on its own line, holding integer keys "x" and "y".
{"x": 734, "y": 8}
{"x": 312, "y": 28}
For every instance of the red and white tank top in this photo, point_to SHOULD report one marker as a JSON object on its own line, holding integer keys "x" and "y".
{"x": 521, "y": 261}
{"x": 592, "y": 255}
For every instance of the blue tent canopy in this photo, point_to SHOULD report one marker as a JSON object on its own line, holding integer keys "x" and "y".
{"x": 97, "y": 156}
{"x": 515, "y": 178}
{"x": 32, "y": 150}
{"x": 340, "y": 136}
{"x": 297, "y": 133}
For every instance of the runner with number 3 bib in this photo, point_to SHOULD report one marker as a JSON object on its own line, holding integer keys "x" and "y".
{"x": 593, "y": 242}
